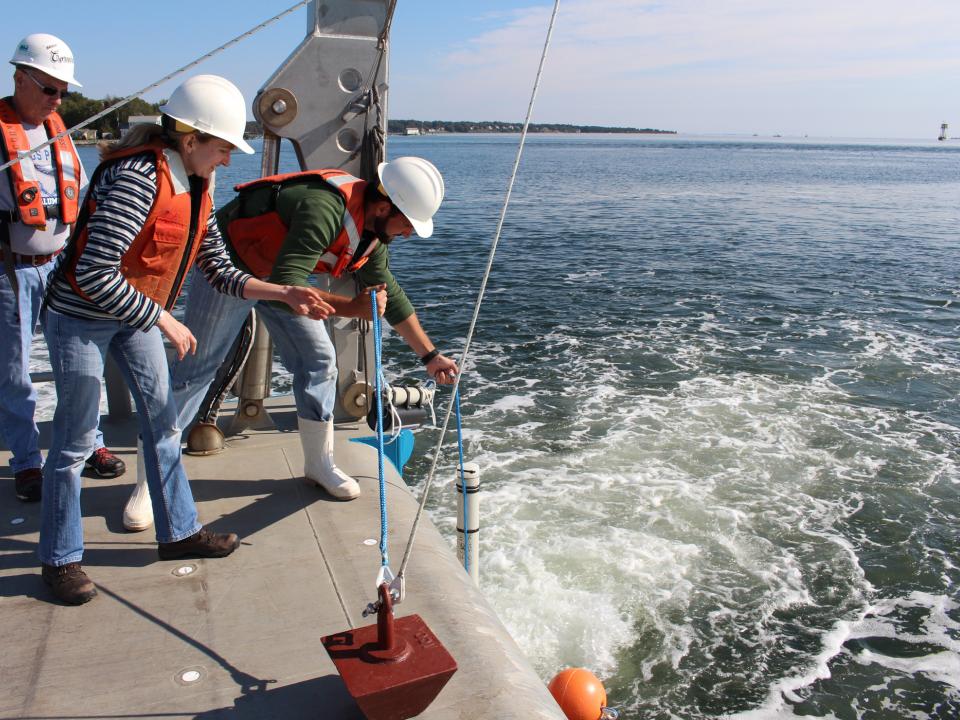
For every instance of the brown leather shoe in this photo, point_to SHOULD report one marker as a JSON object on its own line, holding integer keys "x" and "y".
{"x": 69, "y": 583}
{"x": 27, "y": 484}
{"x": 202, "y": 544}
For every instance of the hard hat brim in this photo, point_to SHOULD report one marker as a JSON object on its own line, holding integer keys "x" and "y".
{"x": 241, "y": 145}
{"x": 238, "y": 142}
{"x": 423, "y": 228}
{"x": 62, "y": 77}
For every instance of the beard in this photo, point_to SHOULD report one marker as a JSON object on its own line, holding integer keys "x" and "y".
{"x": 380, "y": 230}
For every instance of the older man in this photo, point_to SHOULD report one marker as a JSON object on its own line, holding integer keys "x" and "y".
{"x": 39, "y": 201}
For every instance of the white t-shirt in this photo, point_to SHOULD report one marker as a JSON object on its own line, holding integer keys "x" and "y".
{"x": 25, "y": 239}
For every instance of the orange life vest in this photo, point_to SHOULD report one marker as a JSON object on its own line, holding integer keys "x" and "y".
{"x": 24, "y": 182}
{"x": 258, "y": 239}
{"x": 157, "y": 260}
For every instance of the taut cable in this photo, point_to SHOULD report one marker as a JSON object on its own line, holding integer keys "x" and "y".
{"x": 483, "y": 287}
{"x": 159, "y": 82}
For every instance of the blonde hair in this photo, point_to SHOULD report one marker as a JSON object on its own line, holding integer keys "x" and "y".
{"x": 170, "y": 132}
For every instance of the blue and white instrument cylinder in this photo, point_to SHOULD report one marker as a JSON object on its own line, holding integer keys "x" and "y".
{"x": 468, "y": 540}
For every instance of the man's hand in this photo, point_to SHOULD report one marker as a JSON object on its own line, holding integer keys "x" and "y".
{"x": 360, "y": 305}
{"x": 381, "y": 299}
{"x": 443, "y": 370}
{"x": 178, "y": 334}
{"x": 307, "y": 301}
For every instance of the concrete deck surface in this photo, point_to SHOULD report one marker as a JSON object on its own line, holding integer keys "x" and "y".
{"x": 246, "y": 627}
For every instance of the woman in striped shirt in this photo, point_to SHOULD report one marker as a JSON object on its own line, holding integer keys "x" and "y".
{"x": 148, "y": 217}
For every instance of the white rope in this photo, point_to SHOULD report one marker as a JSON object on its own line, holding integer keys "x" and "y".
{"x": 483, "y": 287}
{"x": 162, "y": 80}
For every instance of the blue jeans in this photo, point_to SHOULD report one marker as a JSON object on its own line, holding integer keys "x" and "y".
{"x": 78, "y": 348}
{"x": 215, "y": 319}
{"x": 18, "y": 397}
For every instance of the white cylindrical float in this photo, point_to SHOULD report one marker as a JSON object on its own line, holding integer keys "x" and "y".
{"x": 468, "y": 540}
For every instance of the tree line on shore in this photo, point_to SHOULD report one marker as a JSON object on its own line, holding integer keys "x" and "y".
{"x": 495, "y": 126}
{"x": 75, "y": 108}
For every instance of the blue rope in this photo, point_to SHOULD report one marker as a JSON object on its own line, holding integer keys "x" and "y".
{"x": 379, "y": 387}
{"x": 463, "y": 484}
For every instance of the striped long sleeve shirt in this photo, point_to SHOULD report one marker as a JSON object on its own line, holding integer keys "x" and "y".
{"x": 124, "y": 194}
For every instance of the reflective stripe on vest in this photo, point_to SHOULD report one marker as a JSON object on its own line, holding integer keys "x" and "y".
{"x": 348, "y": 225}
{"x": 23, "y": 178}
{"x": 258, "y": 239}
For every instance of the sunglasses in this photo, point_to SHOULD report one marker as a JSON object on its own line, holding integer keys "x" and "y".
{"x": 46, "y": 89}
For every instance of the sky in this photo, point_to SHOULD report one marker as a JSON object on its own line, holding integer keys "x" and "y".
{"x": 822, "y": 68}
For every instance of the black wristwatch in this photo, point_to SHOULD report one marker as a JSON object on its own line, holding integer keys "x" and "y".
{"x": 425, "y": 359}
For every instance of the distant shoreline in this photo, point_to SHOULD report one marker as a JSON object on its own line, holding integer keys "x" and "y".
{"x": 535, "y": 132}
{"x": 433, "y": 127}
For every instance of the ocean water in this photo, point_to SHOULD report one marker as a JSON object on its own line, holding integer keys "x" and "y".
{"x": 713, "y": 395}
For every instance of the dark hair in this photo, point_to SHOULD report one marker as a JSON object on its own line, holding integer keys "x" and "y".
{"x": 373, "y": 193}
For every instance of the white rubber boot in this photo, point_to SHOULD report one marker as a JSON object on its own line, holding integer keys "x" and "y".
{"x": 316, "y": 436}
{"x": 138, "y": 512}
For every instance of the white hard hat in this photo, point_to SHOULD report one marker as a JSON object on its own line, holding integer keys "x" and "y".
{"x": 415, "y": 186}
{"x": 212, "y": 105}
{"x": 47, "y": 53}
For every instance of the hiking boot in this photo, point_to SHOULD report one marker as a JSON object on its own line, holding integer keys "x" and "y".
{"x": 202, "y": 544}
{"x": 105, "y": 464}
{"x": 69, "y": 583}
{"x": 27, "y": 483}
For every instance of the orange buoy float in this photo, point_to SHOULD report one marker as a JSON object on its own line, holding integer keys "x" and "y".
{"x": 580, "y": 695}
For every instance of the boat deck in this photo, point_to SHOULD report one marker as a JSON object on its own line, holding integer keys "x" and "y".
{"x": 239, "y": 637}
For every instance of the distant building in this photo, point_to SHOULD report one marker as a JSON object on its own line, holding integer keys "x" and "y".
{"x": 411, "y": 131}
{"x": 138, "y": 119}
{"x": 86, "y": 135}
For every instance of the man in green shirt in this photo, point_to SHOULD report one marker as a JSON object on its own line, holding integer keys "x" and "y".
{"x": 285, "y": 228}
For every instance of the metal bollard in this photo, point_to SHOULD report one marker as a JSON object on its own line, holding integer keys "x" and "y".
{"x": 253, "y": 385}
{"x": 469, "y": 540}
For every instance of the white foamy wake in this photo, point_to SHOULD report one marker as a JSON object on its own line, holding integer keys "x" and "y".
{"x": 689, "y": 532}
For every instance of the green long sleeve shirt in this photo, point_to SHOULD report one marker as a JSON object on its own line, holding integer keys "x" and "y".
{"x": 313, "y": 214}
